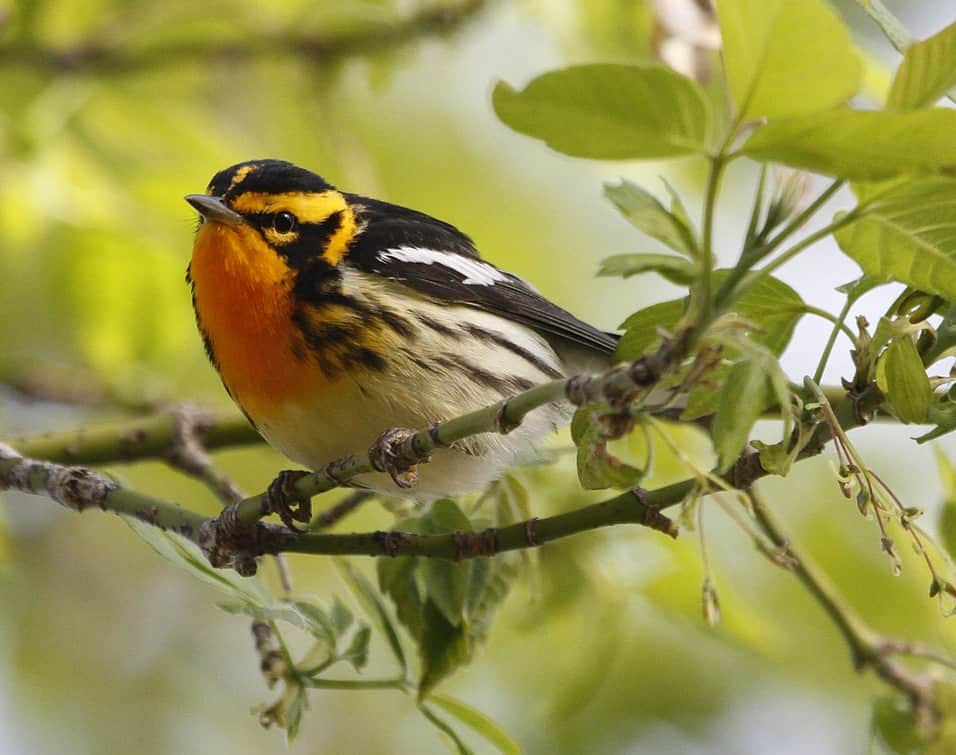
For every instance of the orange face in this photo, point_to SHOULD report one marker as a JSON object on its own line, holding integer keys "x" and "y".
{"x": 243, "y": 299}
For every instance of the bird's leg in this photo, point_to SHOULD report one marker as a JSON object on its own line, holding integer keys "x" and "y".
{"x": 394, "y": 453}
{"x": 282, "y": 499}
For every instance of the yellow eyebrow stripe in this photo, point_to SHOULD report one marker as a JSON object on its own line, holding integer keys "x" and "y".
{"x": 244, "y": 171}
{"x": 308, "y": 207}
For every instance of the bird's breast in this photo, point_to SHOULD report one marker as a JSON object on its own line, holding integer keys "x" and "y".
{"x": 244, "y": 307}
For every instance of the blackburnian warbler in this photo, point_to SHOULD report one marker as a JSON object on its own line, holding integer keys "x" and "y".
{"x": 332, "y": 317}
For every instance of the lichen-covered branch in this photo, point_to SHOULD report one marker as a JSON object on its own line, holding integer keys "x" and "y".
{"x": 79, "y": 488}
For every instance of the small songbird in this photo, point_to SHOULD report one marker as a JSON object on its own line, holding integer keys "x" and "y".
{"x": 332, "y": 317}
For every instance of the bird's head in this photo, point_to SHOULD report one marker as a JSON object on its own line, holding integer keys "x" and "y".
{"x": 268, "y": 212}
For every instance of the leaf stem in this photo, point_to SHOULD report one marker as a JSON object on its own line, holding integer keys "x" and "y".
{"x": 804, "y": 217}
{"x": 398, "y": 682}
{"x": 839, "y": 326}
{"x": 729, "y": 291}
{"x": 839, "y": 323}
{"x": 704, "y": 302}
{"x": 753, "y": 277}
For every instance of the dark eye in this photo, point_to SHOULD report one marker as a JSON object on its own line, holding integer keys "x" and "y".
{"x": 283, "y": 222}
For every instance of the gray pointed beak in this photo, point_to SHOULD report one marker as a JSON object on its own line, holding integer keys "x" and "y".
{"x": 213, "y": 208}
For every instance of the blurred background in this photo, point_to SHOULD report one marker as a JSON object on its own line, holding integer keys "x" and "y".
{"x": 111, "y": 111}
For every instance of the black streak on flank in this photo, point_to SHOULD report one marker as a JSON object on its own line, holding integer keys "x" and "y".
{"x": 506, "y": 385}
{"x": 390, "y": 318}
{"x": 367, "y": 358}
{"x": 499, "y": 339}
{"x": 437, "y": 325}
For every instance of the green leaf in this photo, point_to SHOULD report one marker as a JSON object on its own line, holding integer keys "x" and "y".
{"x": 901, "y": 376}
{"x": 478, "y": 722}
{"x": 598, "y": 469}
{"x": 397, "y": 578}
{"x": 287, "y": 614}
{"x": 341, "y": 616}
{"x": 786, "y": 57}
{"x": 928, "y": 72}
{"x": 357, "y": 651}
{"x": 185, "y": 554}
{"x": 942, "y": 413}
{"x": 704, "y": 397}
{"x": 643, "y": 210}
{"x": 674, "y": 269}
{"x": 773, "y": 306}
{"x": 446, "y": 582}
{"x": 514, "y": 501}
{"x": 864, "y": 284}
{"x": 610, "y": 111}
{"x": 316, "y": 621}
{"x": 444, "y": 516}
{"x": 374, "y": 608}
{"x": 293, "y": 713}
{"x": 945, "y": 345}
{"x": 860, "y": 145}
{"x": 899, "y": 730}
{"x": 443, "y": 648}
{"x": 894, "y": 726}
{"x": 492, "y": 580}
{"x": 743, "y": 398}
{"x": 908, "y": 234}
{"x": 947, "y": 512}
{"x": 640, "y": 329}
{"x": 680, "y": 212}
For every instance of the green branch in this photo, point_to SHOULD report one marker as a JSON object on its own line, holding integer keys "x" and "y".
{"x": 228, "y": 541}
{"x": 705, "y": 303}
{"x": 134, "y": 440}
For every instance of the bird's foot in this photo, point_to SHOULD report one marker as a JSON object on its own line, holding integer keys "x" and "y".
{"x": 282, "y": 499}
{"x": 394, "y": 453}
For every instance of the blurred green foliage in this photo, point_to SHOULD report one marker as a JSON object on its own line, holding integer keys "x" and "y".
{"x": 109, "y": 113}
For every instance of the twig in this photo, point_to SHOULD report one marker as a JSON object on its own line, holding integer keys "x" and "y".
{"x": 328, "y": 517}
{"x": 867, "y": 647}
{"x": 188, "y": 455}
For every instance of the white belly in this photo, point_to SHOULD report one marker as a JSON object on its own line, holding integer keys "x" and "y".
{"x": 359, "y": 409}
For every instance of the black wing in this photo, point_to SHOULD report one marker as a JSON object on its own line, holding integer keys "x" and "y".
{"x": 436, "y": 259}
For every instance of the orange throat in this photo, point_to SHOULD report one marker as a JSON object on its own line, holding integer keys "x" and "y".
{"x": 243, "y": 300}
